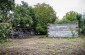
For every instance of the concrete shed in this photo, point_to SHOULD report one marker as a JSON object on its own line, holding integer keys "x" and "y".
{"x": 63, "y": 30}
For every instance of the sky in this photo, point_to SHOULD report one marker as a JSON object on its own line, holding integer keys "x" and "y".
{"x": 61, "y": 7}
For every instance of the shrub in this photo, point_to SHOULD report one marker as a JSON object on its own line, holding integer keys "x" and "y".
{"x": 5, "y": 29}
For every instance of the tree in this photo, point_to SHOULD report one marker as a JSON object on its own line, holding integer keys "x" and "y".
{"x": 74, "y": 17}
{"x": 79, "y": 16}
{"x": 83, "y": 23}
{"x": 44, "y": 14}
{"x": 5, "y": 7}
{"x": 71, "y": 16}
{"x": 23, "y": 16}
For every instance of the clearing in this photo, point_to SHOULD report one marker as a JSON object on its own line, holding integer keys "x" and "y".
{"x": 44, "y": 46}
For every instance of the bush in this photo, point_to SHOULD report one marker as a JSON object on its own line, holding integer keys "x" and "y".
{"x": 5, "y": 28}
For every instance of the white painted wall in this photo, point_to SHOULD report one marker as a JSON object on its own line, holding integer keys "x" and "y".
{"x": 62, "y": 30}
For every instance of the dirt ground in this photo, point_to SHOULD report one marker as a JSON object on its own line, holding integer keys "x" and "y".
{"x": 44, "y": 46}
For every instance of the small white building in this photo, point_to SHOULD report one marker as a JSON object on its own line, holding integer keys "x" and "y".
{"x": 63, "y": 30}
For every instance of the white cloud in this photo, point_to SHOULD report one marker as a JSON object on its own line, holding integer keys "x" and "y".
{"x": 60, "y": 6}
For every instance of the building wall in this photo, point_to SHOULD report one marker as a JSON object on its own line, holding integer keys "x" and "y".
{"x": 22, "y": 33}
{"x": 62, "y": 30}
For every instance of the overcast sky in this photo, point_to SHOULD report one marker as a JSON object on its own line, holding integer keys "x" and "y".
{"x": 60, "y": 6}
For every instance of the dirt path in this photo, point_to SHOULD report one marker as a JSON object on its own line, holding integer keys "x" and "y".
{"x": 45, "y": 46}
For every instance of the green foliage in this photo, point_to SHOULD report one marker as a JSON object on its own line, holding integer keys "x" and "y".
{"x": 82, "y": 25}
{"x": 5, "y": 7}
{"x": 58, "y": 21}
{"x": 5, "y": 29}
{"x": 23, "y": 15}
{"x": 70, "y": 16}
{"x": 62, "y": 21}
{"x": 79, "y": 16}
{"x": 44, "y": 14}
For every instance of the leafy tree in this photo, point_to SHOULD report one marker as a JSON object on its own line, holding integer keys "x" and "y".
{"x": 79, "y": 16}
{"x": 71, "y": 16}
{"x": 5, "y": 7}
{"x": 44, "y": 14}
{"x": 81, "y": 23}
{"x": 74, "y": 17}
{"x": 23, "y": 15}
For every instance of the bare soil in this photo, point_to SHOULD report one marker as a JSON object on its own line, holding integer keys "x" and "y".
{"x": 44, "y": 46}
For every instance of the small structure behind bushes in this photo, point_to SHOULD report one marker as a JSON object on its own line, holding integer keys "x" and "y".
{"x": 22, "y": 32}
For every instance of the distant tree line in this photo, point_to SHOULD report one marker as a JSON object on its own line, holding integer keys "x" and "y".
{"x": 25, "y": 16}
{"x": 36, "y": 18}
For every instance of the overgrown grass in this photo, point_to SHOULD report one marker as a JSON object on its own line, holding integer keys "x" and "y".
{"x": 6, "y": 43}
{"x": 52, "y": 46}
{"x": 60, "y": 40}
{"x": 45, "y": 40}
